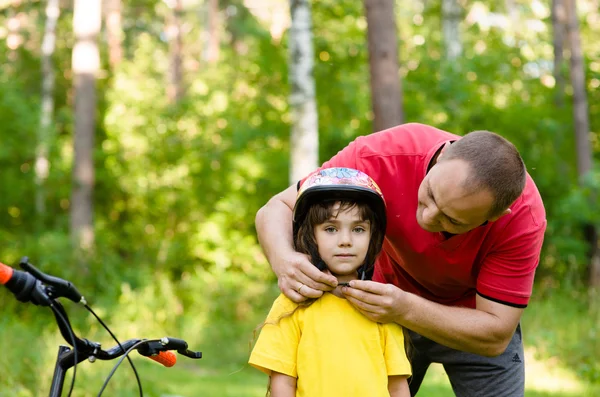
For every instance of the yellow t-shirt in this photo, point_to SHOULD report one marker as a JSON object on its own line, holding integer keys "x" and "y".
{"x": 331, "y": 348}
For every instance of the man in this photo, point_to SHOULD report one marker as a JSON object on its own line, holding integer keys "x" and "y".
{"x": 465, "y": 230}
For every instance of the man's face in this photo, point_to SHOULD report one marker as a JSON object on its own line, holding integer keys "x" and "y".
{"x": 445, "y": 205}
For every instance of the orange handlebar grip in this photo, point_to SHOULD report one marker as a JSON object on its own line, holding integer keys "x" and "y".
{"x": 168, "y": 359}
{"x": 6, "y": 273}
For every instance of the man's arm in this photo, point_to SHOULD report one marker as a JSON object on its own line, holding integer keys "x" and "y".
{"x": 293, "y": 270}
{"x": 282, "y": 385}
{"x": 485, "y": 330}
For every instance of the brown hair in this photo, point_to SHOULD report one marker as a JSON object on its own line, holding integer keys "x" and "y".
{"x": 495, "y": 163}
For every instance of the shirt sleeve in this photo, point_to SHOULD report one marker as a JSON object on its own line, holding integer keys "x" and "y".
{"x": 507, "y": 273}
{"x": 396, "y": 360}
{"x": 277, "y": 344}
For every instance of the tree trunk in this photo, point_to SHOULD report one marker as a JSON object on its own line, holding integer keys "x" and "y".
{"x": 212, "y": 37}
{"x": 558, "y": 32}
{"x": 386, "y": 90}
{"x": 304, "y": 142}
{"x": 86, "y": 62}
{"x": 451, "y": 17}
{"x": 175, "y": 84}
{"x": 14, "y": 39}
{"x": 582, "y": 129}
{"x": 114, "y": 32}
{"x": 42, "y": 163}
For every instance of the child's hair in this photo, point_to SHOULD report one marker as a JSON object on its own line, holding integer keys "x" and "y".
{"x": 320, "y": 212}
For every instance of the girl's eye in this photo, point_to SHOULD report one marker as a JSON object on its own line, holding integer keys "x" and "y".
{"x": 330, "y": 229}
{"x": 359, "y": 230}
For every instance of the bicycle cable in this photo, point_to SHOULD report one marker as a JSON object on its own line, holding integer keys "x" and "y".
{"x": 121, "y": 346}
{"x": 112, "y": 372}
{"x": 73, "y": 342}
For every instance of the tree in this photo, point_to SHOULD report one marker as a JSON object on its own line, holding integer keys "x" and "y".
{"x": 174, "y": 36}
{"x": 42, "y": 163}
{"x": 114, "y": 31}
{"x": 85, "y": 63}
{"x": 558, "y": 33}
{"x": 451, "y": 17}
{"x": 386, "y": 90}
{"x": 582, "y": 128}
{"x": 304, "y": 142}
{"x": 211, "y": 31}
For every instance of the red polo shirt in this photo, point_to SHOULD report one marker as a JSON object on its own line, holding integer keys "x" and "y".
{"x": 497, "y": 261}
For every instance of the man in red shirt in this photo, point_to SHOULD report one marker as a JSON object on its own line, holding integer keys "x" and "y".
{"x": 465, "y": 230}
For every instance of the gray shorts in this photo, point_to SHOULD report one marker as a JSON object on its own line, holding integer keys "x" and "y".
{"x": 471, "y": 375}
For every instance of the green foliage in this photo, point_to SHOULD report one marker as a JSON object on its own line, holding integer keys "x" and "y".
{"x": 178, "y": 185}
{"x": 572, "y": 336}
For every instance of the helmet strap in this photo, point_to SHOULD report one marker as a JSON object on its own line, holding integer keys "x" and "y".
{"x": 364, "y": 273}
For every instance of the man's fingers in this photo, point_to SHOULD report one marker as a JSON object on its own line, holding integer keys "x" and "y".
{"x": 317, "y": 279}
{"x": 301, "y": 279}
{"x": 294, "y": 296}
{"x": 369, "y": 286}
{"x": 362, "y": 298}
{"x": 300, "y": 290}
{"x": 309, "y": 292}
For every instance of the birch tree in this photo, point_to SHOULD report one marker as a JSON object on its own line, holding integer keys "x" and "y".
{"x": 386, "y": 90}
{"x": 451, "y": 17}
{"x": 85, "y": 63}
{"x": 114, "y": 31}
{"x": 558, "y": 38}
{"x": 42, "y": 163}
{"x": 304, "y": 142}
{"x": 211, "y": 31}
{"x": 175, "y": 73}
{"x": 582, "y": 128}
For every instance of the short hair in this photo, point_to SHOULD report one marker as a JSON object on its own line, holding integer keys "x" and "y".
{"x": 496, "y": 165}
{"x": 322, "y": 211}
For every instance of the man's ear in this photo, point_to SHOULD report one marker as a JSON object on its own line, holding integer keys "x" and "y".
{"x": 495, "y": 218}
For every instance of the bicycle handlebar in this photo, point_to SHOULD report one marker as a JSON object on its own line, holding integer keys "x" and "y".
{"x": 32, "y": 285}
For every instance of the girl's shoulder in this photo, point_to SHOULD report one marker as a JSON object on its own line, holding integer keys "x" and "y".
{"x": 281, "y": 306}
{"x": 285, "y": 302}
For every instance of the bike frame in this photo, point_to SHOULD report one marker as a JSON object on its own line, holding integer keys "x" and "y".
{"x": 60, "y": 370}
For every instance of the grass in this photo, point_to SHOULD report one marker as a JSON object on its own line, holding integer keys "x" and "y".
{"x": 543, "y": 380}
{"x": 560, "y": 333}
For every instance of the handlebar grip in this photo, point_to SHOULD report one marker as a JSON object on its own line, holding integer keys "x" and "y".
{"x": 167, "y": 358}
{"x": 6, "y": 273}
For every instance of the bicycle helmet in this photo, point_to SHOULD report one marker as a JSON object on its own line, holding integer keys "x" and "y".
{"x": 340, "y": 184}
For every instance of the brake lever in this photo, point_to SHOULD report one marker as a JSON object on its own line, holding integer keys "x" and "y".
{"x": 56, "y": 287}
{"x": 181, "y": 347}
{"x": 165, "y": 344}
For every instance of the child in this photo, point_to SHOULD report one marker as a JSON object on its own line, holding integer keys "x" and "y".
{"x": 326, "y": 348}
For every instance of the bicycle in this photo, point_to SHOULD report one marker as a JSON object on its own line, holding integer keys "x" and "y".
{"x": 32, "y": 285}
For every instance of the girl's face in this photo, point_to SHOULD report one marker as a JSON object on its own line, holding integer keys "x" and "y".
{"x": 343, "y": 240}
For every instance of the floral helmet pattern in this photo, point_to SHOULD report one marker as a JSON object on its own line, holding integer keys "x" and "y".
{"x": 343, "y": 184}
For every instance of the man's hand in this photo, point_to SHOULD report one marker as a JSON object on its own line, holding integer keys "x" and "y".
{"x": 486, "y": 330}
{"x": 299, "y": 279}
{"x": 382, "y": 303}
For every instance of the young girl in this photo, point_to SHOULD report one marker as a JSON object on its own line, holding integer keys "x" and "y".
{"x": 326, "y": 348}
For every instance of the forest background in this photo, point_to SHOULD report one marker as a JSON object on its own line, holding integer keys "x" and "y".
{"x": 139, "y": 139}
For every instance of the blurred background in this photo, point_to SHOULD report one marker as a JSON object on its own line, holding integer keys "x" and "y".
{"x": 139, "y": 138}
